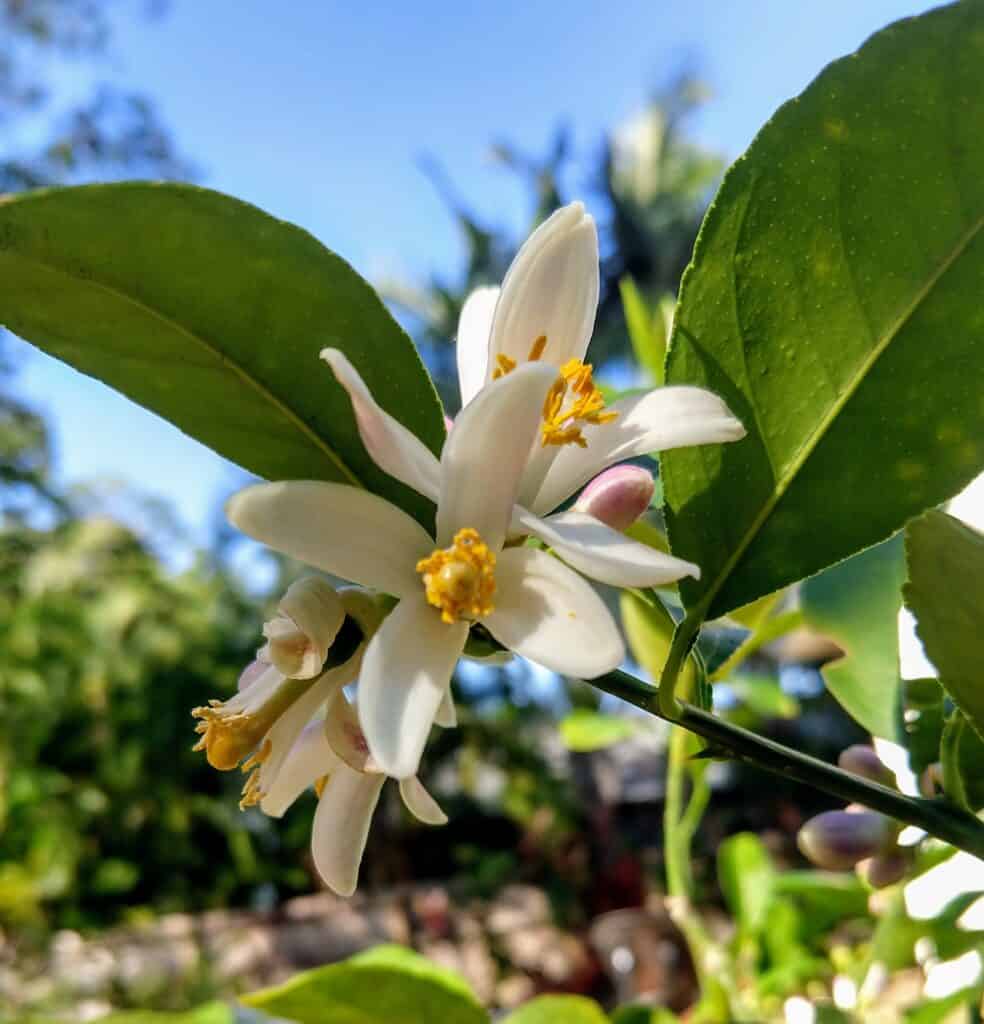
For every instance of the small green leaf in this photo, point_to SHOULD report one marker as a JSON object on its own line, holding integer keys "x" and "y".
{"x": 389, "y": 983}
{"x": 923, "y": 700}
{"x": 584, "y": 730}
{"x": 764, "y": 696}
{"x": 558, "y": 1010}
{"x": 647, "y": 329}
{"x": 857, "y": 605}
{"x": 211, "y": 313}
{"x": 962, "y": 760}
{"x": 644, "y": 1015}
{"x": 834, "y": 303}
{"x": 746, "y": 875}
{"x": 945, "y": 592}
{"x": 649, "y": 629}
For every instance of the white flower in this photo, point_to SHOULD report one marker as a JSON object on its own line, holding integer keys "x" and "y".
{"x": 530, "y": 602}
{"x": 332, "y": 755}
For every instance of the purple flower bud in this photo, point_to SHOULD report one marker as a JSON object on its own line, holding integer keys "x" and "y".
{"x": 618, "y": 496}
{"x": 862, "y": 760}
{"x": 837, "y": 840}
{"x": 887, "y": 868}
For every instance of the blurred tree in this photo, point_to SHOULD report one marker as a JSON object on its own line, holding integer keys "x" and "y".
{"x": 650, "y": 185}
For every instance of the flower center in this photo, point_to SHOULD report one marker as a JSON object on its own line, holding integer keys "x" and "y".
{"x": 460, "y": 580}
{"x": 572, "y": 401}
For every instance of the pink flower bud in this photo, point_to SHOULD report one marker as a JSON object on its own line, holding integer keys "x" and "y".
{"x": 837, "y": 840}
{"x": 618, "y": 496}
{"x": 886, "y": 868}
{"x": 862, "y": 760}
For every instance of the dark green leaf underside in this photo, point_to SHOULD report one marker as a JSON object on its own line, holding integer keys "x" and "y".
{"x": 211, "y": 313}
{"x": 834, "y": 302}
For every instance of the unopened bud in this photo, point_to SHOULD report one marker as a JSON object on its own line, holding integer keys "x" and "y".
{"x": 618, "y": 496}
{"x": 862, "y": 760}
{"x": 837, "y": 840}
{"x": 886, "y": 869}
{"x": 298, "y": 639}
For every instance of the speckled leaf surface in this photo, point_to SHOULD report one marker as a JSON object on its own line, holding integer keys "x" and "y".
{"x": 834, "y": 301}
{"x": 211, "y": 314}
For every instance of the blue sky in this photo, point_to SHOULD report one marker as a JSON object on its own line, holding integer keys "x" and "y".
{"x": 320, "y": 111}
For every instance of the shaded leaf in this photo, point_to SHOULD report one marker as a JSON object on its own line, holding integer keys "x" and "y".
{"x": 210, "y": 1013}
{"x": 211, "y": 313}
{"x": 857, "y": 605}
{"x": 389, "y": 983}
{"x": 945, "y": 592}
{"x": 833, "y": 302}
{"x": 924, "y": 715}
{"x": 962, "y": 760}
{"x": 746, "y": 875}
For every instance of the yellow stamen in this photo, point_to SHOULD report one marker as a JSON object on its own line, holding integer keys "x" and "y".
{"x": 562, "y": 423}
{"x": 319, "y": 785}
{"x": 503, "y": 366}
{"x": 537, "y": 350}
{"x": 460, "y": 580}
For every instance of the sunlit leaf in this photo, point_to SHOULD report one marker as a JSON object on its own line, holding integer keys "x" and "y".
{"x": 389, "y": 983}
{"x": 211, "y": 313}
{"x": 746, "y": 875}
{"x": 857, "y": 605}
{"x": 558, "y": 1010}
{"x": 945, "y": 591}
{"x": 584, "y": 730}
{"x": 647, "y": 329}
{"x": 834, "y": 303}
{"x": 210, "y": 1013}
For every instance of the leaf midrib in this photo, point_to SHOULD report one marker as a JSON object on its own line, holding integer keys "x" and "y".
{"x": 306, "y": 429}
{"x": 811, "y": 442}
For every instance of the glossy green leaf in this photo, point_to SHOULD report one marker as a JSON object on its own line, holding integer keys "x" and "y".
{"x": 211, "y": 313}
{"x": 945, "y": 592}
{"x": 584, "y": 730}
{"x": 857, "y": 605}
{"x": 746, "y": 875}
{"x": 558, "y": 1010}
{"x": 834, "y": 303}
{"x": 389, "y": 983}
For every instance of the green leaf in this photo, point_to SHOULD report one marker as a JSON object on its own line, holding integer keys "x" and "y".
{"x": 764, "y": 696}
{"x": 834, "y": 303}
{"x": 584, "y": 730}
{"x": 746, "y": 875}
{"x": 210, "y": 1013}
{"x": 558, "y": 1010}
{"x": 211, "y": 313}
{"x": 647, "y": 330}
{"x": 644, "y": 1015}
{"x": 857, "y": 605}
{"x": 945, "y": 592}
{"x": 923, "y": 700}
{"x": 962, "y": 760}
{"x": 389, "y": 983}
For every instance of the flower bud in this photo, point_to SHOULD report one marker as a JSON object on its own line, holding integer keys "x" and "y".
{"x": 862, "y": 760}
{"x": 886, "y": 869}
{"x": 837, "y": 840}
{"x": 618, "y": 496}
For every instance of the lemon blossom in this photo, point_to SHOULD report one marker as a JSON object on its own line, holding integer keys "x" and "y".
{"x": 529, "y": 601}
{"x": 332, "y": 755}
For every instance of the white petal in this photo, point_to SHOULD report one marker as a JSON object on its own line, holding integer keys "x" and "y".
{"x": 339, "y": 529}
{"x": 551, "y": 289}
{"x": 671, "y": 417}
{"x": 314, "y": 606}
{"x": 405, "y": 674}
{"x": 547, "y": 613}
{"x": 604, "y": 554}
{"x": 308, "y": 759}
{"x": 472, "y": 348}
{"x": 394, "y": 448}
{"x": 420, "y": 803}
{"x": 284, "y": 732}
{"x": 447, "y": 714}
{"x": 344, "y": 734}
{"x": 485, "y": 454}
{"x": 341, "y": 826}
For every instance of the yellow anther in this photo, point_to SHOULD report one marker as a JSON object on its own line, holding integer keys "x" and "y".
{"x": 460, "y": 580}
{"x": 585, "y": 405}
{"x": 503, "y": 365}
{"x": 319, "y": 785}
{"x": 227, "y": 739}
{"x": 537, "y": 349}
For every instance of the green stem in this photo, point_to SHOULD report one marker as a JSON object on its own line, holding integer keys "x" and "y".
{"x": 946, "y": 822}
{"x": 684, "y": 638}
